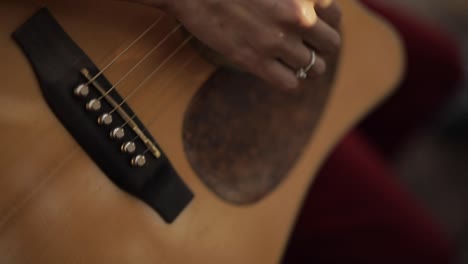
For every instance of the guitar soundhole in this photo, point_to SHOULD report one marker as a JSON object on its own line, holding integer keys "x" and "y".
{"x": 242, "y": 137}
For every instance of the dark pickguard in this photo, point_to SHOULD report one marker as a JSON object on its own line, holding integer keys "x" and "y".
{"x": 242, "y": 136}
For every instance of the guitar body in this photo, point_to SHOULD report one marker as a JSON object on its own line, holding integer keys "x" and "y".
{"x": 56, "y": 204}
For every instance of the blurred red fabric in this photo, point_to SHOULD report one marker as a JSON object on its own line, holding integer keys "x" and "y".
{"x": 357, "y": 211}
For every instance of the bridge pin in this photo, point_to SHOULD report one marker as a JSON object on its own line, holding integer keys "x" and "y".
{"x": 128, "y": 147}
{"x": 139, "y": 161}
{"x": 81, "y": 90}
{"x": 105, "y": 119}
{"x": 117, "y": 133}
{"x": 93, "y": 105}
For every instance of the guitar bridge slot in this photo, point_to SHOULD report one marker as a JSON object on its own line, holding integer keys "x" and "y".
{"x": 126, "y": 117}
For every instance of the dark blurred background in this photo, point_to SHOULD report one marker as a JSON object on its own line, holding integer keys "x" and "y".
{"x": 434, "y": 162}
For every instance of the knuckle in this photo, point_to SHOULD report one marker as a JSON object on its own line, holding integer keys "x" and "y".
{"x": 335, "y": 42}
{"x": 284, "y": 81}
{"x": 242, "y": 56}
{"x": 320, "y": 68}
{"x": 271, "y": 44}
{"x": 290, "y": 83}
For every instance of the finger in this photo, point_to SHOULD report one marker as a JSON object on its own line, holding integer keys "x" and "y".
{"x": 278, "y": 75}
{"x": 300, "y": 57}
{"x": 330, "y": 13}
{"x": 319, "y": 67}
{"x": 322, "y": 37}
{"x": 265, "y": 67}
{"x": 294, "y": 53}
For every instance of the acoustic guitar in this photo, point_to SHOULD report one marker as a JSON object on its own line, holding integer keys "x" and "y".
{"x": 122, "y": 143}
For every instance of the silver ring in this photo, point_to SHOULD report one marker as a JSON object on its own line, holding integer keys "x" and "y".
{"x": 302, "y": 72}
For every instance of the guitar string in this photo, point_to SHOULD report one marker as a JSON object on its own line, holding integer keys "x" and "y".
{"x": 160, "y": 92}
{"x": 162, "y": 64}
{"x": 160, "y": 43}
{"x": 167, "y": 102}
{"x": 159, "y": 113}
{"x": 148, "y": 77}
{"x": 164, "y": 106}
{"x": 126, "y": 49}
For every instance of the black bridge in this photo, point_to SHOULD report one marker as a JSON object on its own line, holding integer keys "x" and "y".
{"x": 98, "y": 118}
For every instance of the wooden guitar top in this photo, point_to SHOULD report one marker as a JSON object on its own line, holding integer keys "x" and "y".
{"x": 57, "y": 206}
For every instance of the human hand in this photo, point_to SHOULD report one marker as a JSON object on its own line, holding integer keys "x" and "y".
{"x": 272, "y": 39}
